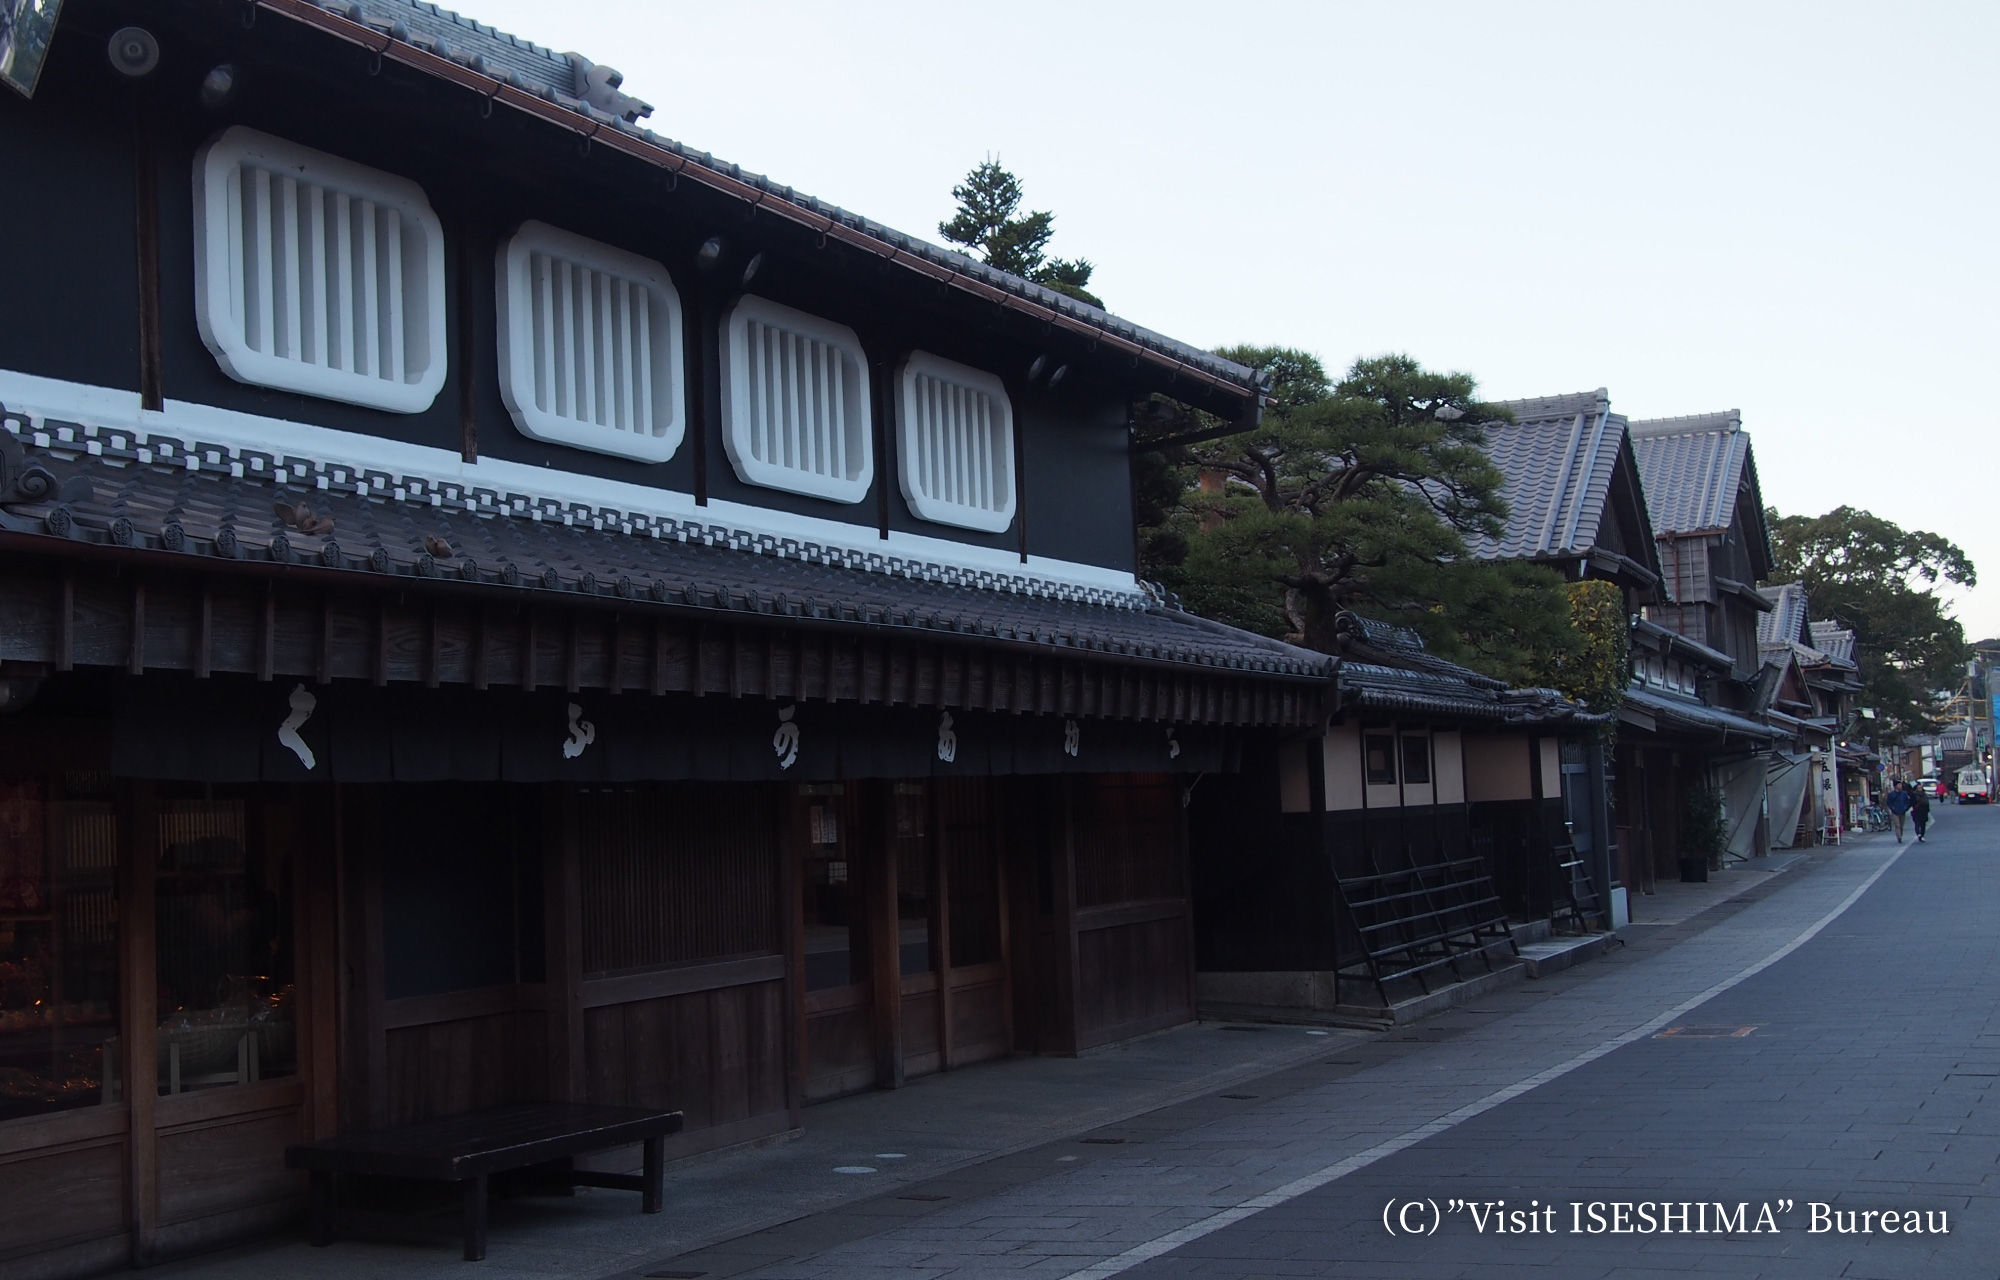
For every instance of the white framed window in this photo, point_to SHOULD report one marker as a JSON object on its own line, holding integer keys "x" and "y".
{"x": 317, "y": 275}
{"x": 954, "y": 444}
{"x": 795, "y": 400}
{"x": 590, "y": 345}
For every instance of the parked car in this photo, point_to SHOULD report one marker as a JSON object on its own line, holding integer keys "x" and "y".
{"x": 1930, "y": 787}
{"x": 1972, "y": 786}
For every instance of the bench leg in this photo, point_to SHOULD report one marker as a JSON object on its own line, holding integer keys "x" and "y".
{"x": 653, "y": 1174}
{"x": 474, "y": 1191}
{"x": 320, "y": 1209}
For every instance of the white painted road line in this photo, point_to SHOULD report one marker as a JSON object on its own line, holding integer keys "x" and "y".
{"x": 1334, "y": 1172}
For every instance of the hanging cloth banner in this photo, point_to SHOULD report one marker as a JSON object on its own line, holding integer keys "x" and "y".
{"x": 237, "y": 731}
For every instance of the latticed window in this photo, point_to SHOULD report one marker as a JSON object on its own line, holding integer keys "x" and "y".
{"x": 795, "y": 397}
{"x": 590, "y": 345}
{"x": 955, "y": 444}
{"x": 317, "y": 275}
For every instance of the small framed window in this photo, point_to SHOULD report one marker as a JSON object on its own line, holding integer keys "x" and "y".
{"x": 1378, "y": 754}
{"x": 317, "y": 275}
{"x": 590, "y": 345}
{"x": 1416, "y": 759}
{"x": 955, "y": 444}
{"x": 795, "y": 402}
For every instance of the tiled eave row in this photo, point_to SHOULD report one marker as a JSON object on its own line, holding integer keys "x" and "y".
{"x": 118, "y": 488}
{"x": 1373, "y": 687}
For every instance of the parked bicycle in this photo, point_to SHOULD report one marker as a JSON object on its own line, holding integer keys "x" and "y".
{"x": 1875, "y": 818}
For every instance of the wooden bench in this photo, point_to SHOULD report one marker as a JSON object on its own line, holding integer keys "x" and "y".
{"x": 469, "y": 1149}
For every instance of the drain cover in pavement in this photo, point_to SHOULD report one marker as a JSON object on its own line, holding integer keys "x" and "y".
{"x": 1102, "y": 1142}
{"x": 1239, "y": 1097}
{"x": 1704, "y": 1033}
{"x": 924, "y": 1196}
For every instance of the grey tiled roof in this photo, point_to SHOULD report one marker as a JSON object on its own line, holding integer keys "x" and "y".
{"x": 1387, "y": 668}
{"x": 1692, "y": 468}
{"x": 1558, "y": 460}
{"x": 204, "y": 502}
{"x": 1687, "y": 715}
{"x": 1786, "y": 623}
{"x": 550, "y": 75}
{"x": 1835, "y": 641}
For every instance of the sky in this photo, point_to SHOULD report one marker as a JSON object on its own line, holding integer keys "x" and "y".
{"x": 1786, "y": 209}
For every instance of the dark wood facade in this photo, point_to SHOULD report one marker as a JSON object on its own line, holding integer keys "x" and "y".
{"x": 292, "y": 842}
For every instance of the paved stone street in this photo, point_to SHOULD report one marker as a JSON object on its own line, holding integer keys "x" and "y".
{"x": 1826, "y": 1036}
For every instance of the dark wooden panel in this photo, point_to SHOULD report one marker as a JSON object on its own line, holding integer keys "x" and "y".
{"x": 227, "y": 1165}
{"x": 29, "y": 628}
{"x": 446, "y": 1068}
{"x": 922, "y": 1043}
{"x": 67, "y": 1195}
{"x": 715, "y": 1056}
{"x": 979, "y": 1023}
{"x": 840, "y": 1053}
{"x": 653, "y": 984}
{"x": 1129, "y": 840}
{"x": 672, "y": 874}
{"x": 1132, "y": 976}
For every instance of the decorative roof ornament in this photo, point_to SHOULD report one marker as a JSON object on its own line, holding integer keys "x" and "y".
{"x": 599, "y": 87}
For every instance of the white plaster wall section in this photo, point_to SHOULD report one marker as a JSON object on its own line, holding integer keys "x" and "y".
{"x": 106, "y": 407}
{"x": 1341, "y": 763}
{"x": 1448, "y": 766}
{"x": 1552, "y": 768}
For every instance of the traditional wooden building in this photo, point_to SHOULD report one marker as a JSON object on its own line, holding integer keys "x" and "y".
{"x": 1576, "y": 504}
{"x": 498, "y": 605}
{"x": 1390, "y": 851}
{"x": 1807, "y": 691}
{"x": 1707, "y": 732}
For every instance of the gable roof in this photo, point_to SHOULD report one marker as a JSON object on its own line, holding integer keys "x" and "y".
{"x": 544, "y": 84}
{"x": 1835, "y": 641}
{"x": 1697, "y": 471}
{"x": 1787, "y": 621}
{"x": 1557, "y": 460}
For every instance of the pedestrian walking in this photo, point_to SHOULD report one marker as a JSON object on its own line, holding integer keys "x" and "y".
{"x": 1920, "y": 812}
{"x": 1898, "y": 805}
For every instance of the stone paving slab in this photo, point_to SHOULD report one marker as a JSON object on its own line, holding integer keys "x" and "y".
{"x": 966, "y": 1123}
{"x": 1188, "y": 1171}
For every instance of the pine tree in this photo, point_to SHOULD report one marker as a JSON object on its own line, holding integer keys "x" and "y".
{"x": 989, "y": 223}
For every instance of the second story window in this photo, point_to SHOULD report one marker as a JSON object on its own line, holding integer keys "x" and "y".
{"x": 795, "y": 402}
{"x": 317, "y": 275}
{"x": 955, "y": 444}
{"x": 590, "y": 345}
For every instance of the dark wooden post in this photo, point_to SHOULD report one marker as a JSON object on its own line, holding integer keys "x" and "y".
{"x": 1068, "y": 977}
{"x": 792, "y": 918}
{"x": 940, "y": 921}
{"x": 563, "y": 933}
{"x": 139, "y": 1014}
{"x": 877, "y": 855}
{"x": 316, "y": 912}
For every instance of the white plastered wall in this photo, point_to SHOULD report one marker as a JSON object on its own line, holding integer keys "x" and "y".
{"x": 1340, "y": 762}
